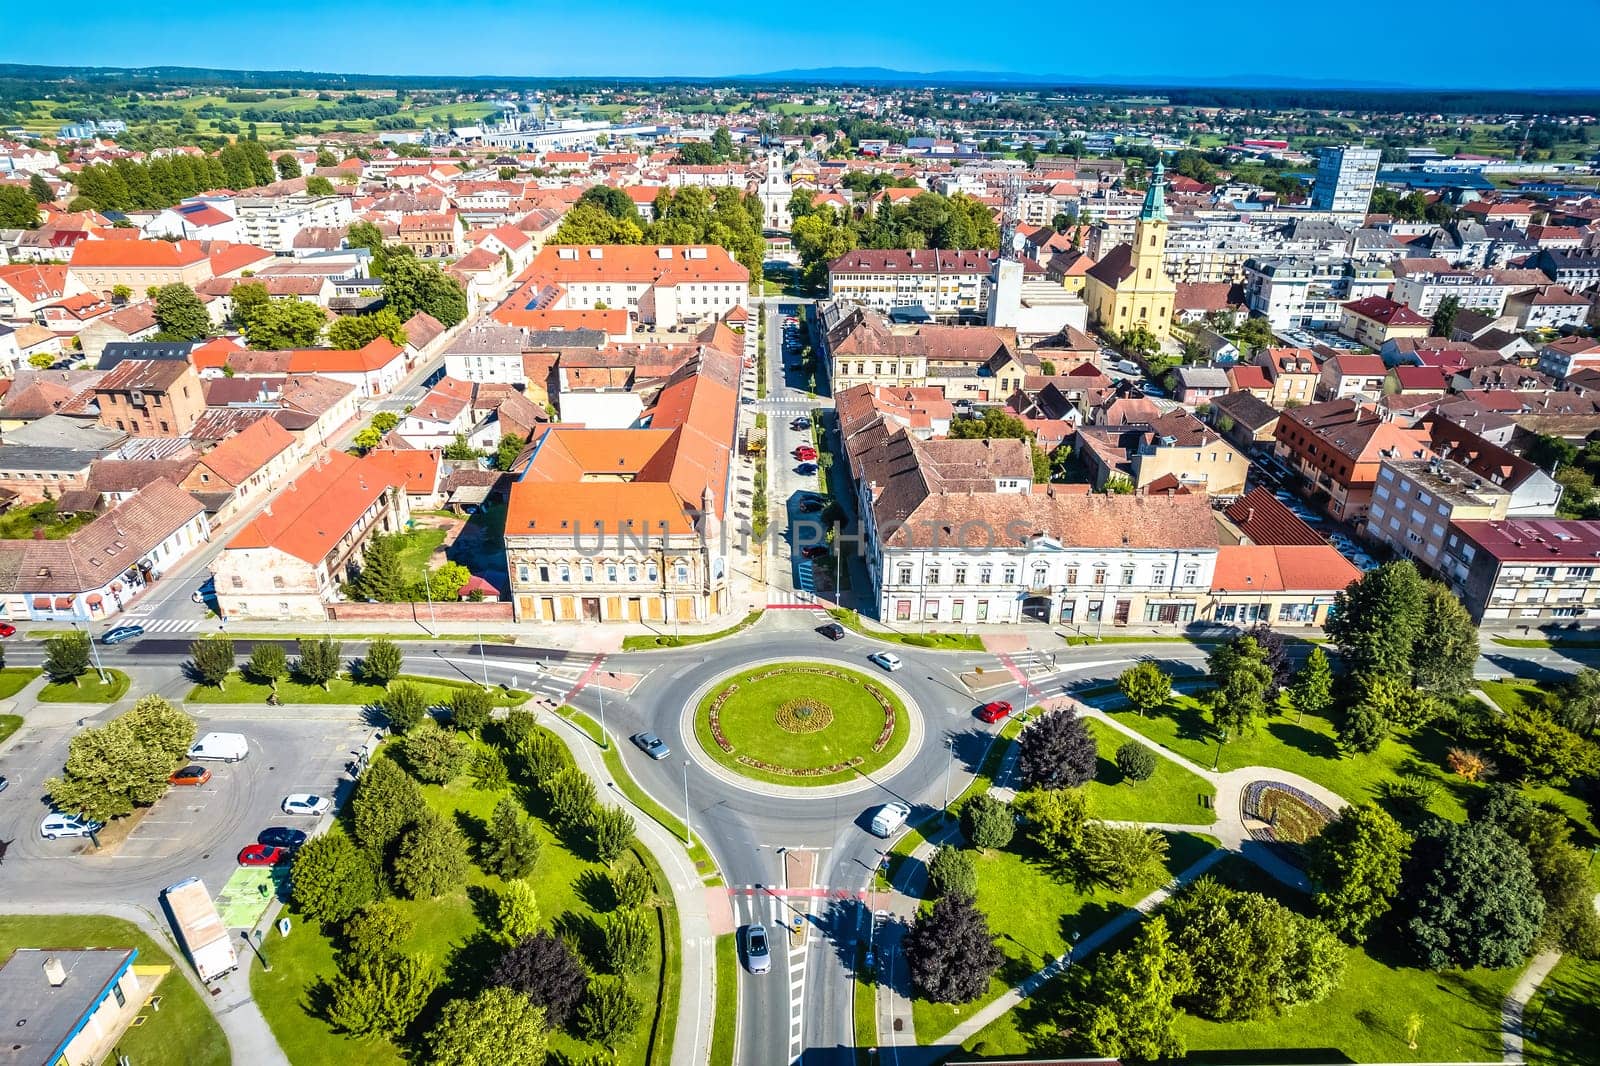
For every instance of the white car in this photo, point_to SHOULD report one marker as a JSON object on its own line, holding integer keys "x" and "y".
{"x": 306, "y": 803}
{"x": 888, "y": 819}
{"x": 56, "y": 824}
{"x": 886, "y": 659}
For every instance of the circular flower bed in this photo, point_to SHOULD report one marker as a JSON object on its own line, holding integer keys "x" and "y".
{"x": 801, "y": 723}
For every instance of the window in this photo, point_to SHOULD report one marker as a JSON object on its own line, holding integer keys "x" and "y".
{"x": 1041, "y": 576}
{"x": 238, "y": 582}
{"x": 983, "y": 610}
{"x": 933, "y": 575}
{"x": 277, "y": 581}
{"x": 682, "y": 574}
{"x": 611, "y": 571}
{"x": 544, "y": 574}
{"x": 523, "y": 574}
{"x": 1008, "y": 576}
{"x": 961, "y": 575}
{"x": 1158, "y": 575}
{"x": 1580, "y": 573}
{"x": 588, "y": 572}
{"x": 1099, "y": 575}
{"x": 1544, "y": 573}
{"x": 957, "y": 609}
{"x": 905, "y": 575}
{"x": 985, "y": 575}
{"x": 652, "y": 572}
{"x": 633, "y": 573}
{"x": 1127, "y": 575}
{"x": 1191, "y": 574}
{"x": 566, "y": 573}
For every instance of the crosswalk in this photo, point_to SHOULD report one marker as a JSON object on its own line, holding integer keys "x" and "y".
{"x": 166, "y": 625}
{"x": 753, "y": 904}
{"x": 800, "y": 598}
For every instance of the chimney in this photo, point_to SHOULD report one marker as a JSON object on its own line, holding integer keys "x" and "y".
{"x": 54, "y": 972}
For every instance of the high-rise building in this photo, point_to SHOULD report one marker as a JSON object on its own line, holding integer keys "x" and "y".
{"x": 1345, "y": 179}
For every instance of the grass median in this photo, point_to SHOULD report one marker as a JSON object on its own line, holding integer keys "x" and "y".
{"x": 725, "y": 1018}
{"x": 927, "y": 641}
{"x": 13, "y": 679}
{"x": 341, "y": 690}
{"x": 665, "y": 640}
{"x": 88, "y": 689}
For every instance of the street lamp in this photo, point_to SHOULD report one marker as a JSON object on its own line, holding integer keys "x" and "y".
{"x": 94, "y": 650}
{"x": 255, "y": 945}
{"x": 482, "y": 658}
{"x": 605, "y": 738}
{"x": 949, "y": 743}
{"x": 688, "y": 838}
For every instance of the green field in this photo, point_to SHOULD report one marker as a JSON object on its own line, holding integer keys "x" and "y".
{"x": 40, "y": 520}
{"x": 1172, "y": 794}
{"x": 341, "y": 690}
{"x": 9, "y": 723}
{"x": 752, "y": 713}
{"x": 573, "y": 897}
{"x": 1565, "y": 1015}
{"x": 89, "y": 689}
{"x": 181, "y": 1033}
{"x": 13, "y": 679}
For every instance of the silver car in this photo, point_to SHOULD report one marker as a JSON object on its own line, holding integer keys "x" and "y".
{"x": 757, "y": 955}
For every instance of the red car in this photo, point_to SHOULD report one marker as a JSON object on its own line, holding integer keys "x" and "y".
{"x": 805, "y": 453}
{"x": 263, "y": 855}
{"x": 993, "y": 712}
{"x": 190, "y": 775}
{"x": 7, "y": 629}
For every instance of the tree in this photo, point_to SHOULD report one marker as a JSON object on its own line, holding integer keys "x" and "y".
{"x": 1055, "y": 820}
{"x": 1145, "y": 686}
{"x": 213, "y": 660}
{"x": 1057, "y": 751}
{"x": 543, "y": 968}
{"x": 588, "y": 223}
{"x": 950, "y": 952}
{"x": 1311, "y": 691}
{"x": 41, "y": 360}
{"x": 405, "y": 706}
{"x": 609, "y": 1013}
{"x": 627, "y": 947}
{"x": 268, "y": 663}
{"x": 1127, "y": 1011}
{"x": 987, "y": 822}
{"x": 1444, "y": 319}
{"x": 611, "y": 829}
{"x": 248, "y": 299}
{"x": 125, "y": 763}
{"x": 1375, "y": 622}
{"x": 1382, "y": 703}
{"x": 632, "y": 885}
{"x": 571, "y": 796}
{"x": 469, "y": 709}
{"x": 317, "y": 185}
{"x": 66, "y": 657}
{"x": 1122, "y": 856}
{"x": 433, "y": 756}
{"x": 951, "y": 873}
{"x": 320, "y": 660}
{"x": 382, "y": 663}
{"x": 1560, "y": 870}
{"x": 381, "y": 996}
{"x": 287, "y": 166}
{"x": 385, "y": 802}
{"x": 1137, "y": 762}
{"x": 39, "y": 189}
{"x": 1446, "y": 647}
{"x": 1275, "y": 653}
{"x": 18, "y": 208}
{"x": 506, "y": 452}
{"x": 1251, "y": 955}
{"x": 350, "y": 332}
{"x": 1468, "y": 897}
{"x": 1354, "y": 865}
{"x": 280, "y": 324}
{"x": 374, "y": 930}
{"x": 330, "y": 879}
{"x": 180, "y": 314}
{"x": 1242, "y": 675}
{"x": 382, "y": 575}
{"x": 512, "y": 847}
{"x": 1577, "y": 702}
{"x": 497, "y": 1027}
{"x": 431, "y": 859}
{"x": 517, "y": 916}
{"x": 410, "y": 285}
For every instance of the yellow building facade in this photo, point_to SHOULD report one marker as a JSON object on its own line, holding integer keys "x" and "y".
{"x": 1130, "y": 287}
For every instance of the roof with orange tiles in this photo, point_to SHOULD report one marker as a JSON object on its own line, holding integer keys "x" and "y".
{"x": 35, "y": 281}
{"x": 417, "y": 470}
{"x": 137, "y": 254}
{"x": 226, "y": 258}
{"x": 665, "y": 264}
{"x": 374, "y": 355}
{"x": 1281, "y": 568}
{"x": 1248, "y": 376}
{"x": 310, "y": 516}
{"x": 247, "y": 451}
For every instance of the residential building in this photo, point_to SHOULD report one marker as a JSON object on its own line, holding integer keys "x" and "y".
{"x": 1348, "y": 374}
{"x": 101, "y": 266}
{"x": 1533, "y": 493}
{"x": 975, "y": 363}
{"x": 1195, "y": 385}
{"x": 1345, "y": 179}
{"x": 1245, "y": 421}
{"x": 1307, "y": 293}
{"x": 1337, "y": 447}
{"x": 1130, "y": 287}
{"x": 1175, "y": 448}
{"x": 1422, "y": 284}
{"x": 1565, "y": 357}
{"x": 1375, "y": 320}
{"x": 273, "y": 222}
{"x": 1578, "y": 269}
{"x": 373, "y": 369}
{"x": 948, "y": 285}
{"x": 71, "y": 1007}
{"x": 1549, "y": 307}
{"x": 660, "y": 285}
{"x": 487, "y": 352}
{"x": 291, "y": 559}
{"x": 1294, "y": 375}
{"x": 1415, "y": 500}
{"x": 150, "y": 397}
{"x": 1533, "y": 571}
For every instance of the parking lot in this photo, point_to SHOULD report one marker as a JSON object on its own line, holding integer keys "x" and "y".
{"x": 190, "y": 831}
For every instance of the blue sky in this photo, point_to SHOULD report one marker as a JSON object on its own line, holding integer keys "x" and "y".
{"x": 1357, "y": 41}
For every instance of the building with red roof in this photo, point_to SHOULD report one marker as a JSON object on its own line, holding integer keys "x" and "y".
{"x": 373, "y": 369}
{"x": 102, "y": 266}
{"x": 1376, "y": 319}
{"x": 1277, "y": 584}
{"x": 1538, "y": 571}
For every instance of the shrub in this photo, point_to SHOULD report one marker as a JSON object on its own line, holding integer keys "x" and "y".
{"x": 433, "y": 756}
{"x": 612, "y": 830}
{"x": 404, "y": 706}
{"x": 951, "y": 873}
{"x": 469, "y": 709}
{"x": 987, "y": 823}
{"x": 1136, "y": 761}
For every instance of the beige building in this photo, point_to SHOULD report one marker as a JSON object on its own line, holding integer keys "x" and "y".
{"x": 1174, "y": 451}
{"x": 101, "y": 266}
{"x": 1415, "y": 500}
{"x": 150, "y": 397}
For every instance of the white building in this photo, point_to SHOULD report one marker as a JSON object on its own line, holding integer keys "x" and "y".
{"x": 273, "y": 221}
{"x": 661, "y": 285}
{"x": 1345, "y": 179}
{"x": 1309, "y": 293}
{"x": 945, "y": 284}
{"x": 1423, "y": 289}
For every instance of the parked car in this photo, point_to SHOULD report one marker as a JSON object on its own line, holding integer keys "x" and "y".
{"x": 800, "y": 423}
{"x": 814, "y": 551}
{"x": 7, "y": 629}
{"x": 810, "y": 505}
{"x": 263, "y": 855}
{"x": 120, "y": 634}
{"x": 805, "y": 451}
{"x": 757, "y": 956}
{"x": 806, "y": 468}
{"x": 651, "y": 745}
{"x": 3, "y": 782}
{"x": 994, "y": 710}
{"x": 56, "y": 824}
{"x": 886, "y": 659}
{"x": 279, "y": 836}
{"x": 224, "y": 747}
{"x": 833, "y": 631}
{"x": 206, "y": 591}
{"x": 306, "y": 803}
{"x": 190, "y": 775}
{"x": 888, "y": 819}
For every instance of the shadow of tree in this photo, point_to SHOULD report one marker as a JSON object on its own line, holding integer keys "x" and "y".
{"x": 585, "y": 935}
{"x": 596, "y": 890}
{"x": 1299, "y": 737}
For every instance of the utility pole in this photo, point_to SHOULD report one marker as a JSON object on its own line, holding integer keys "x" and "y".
{"x": 688, "y": 838}
{"x": 950, "y": 745}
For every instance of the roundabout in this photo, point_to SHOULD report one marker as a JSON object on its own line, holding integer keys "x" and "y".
{"x": 802, "y": 725}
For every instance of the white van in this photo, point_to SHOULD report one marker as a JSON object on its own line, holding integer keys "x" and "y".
{"x": 223, "y": 747}
{"x": 888, "y": 819}
{"x": 1128, "y": 366}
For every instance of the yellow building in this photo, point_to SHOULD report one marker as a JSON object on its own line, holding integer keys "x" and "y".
{"x": 1130, "y": 287}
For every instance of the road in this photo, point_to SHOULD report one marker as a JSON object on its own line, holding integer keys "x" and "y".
{"x": 791, "y": 576}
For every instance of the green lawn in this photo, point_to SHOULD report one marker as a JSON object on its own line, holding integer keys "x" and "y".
{"x": 416, "y": 548}
{"x": 1565, "y": 1015}
{"x": 725, "y": 1020}
{"x": 864, "y": 1007}
{"x": 9, "y": 723}
{"x": 341, "y": 690}
{"x": 13, "y": 679}
{"x": 1514, "y": 694}
{"x": 640, "y": 799}
{"x": 182, "y": 1033}
{"x": 667, "y": 640}
{"x": 1363, "y": 1021}
{"x": 1303, "y": 747}
{"x": 931, "y": 641}
{"x": 89, "y": 689}
{"x": 749, "y": 721}
{"x": 1172, "y": 794}
{"x": 573, "y": 897}
{"x": 40, "y": 520}
{"x": 1033, "y": 913}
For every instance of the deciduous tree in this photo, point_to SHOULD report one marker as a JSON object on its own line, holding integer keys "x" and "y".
{"x": 497, "y": 1027}
{"x": 212, "y": 659}
{"x": 987, "y": 822}
{"x": 331, "y": 879}
{"x": 1137, "y": 762}
{"x": 1468, "y": 897}
{"x": 405, "y": 706}
{"x": 950, "y": 952}
{"x": 180, "y": 314}
{"x": 543, "y": 968}
{"x": 381, "y": 996}
{"x": 268, "y": 664}
{"x": 1145, "y": 686}
{"x": 1120, "y": 857}
{"x": 1055, "y": 820}
{"x": 350, "y": 332}
{"x": 1242, "y": 676}
{"x": 1128, "y": 1010}
{"x": 320, "y": 660}
{"x": 1376, "y": 620}
{"x": 66, "y": 657}
{"x": 123, "y": 764}
{"x": 1354, "y": 865}
{"x": 1057, "y": 751}
{"x": 1446, "y": 647}
{"x": 382, "y": 663}
{"x": 1311, "y": 691}
{"x": 386, "y": 800}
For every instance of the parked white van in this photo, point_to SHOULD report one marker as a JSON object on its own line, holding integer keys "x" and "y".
{"x": 223, "y": 747}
